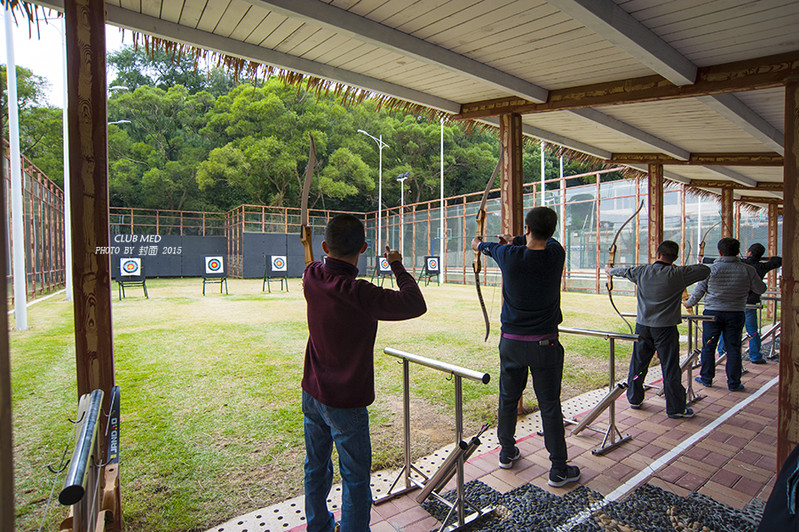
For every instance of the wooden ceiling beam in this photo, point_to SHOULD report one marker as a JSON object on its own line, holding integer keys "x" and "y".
{"x": 710, "y": 183}
{"x": 702, "y": 159}
{"x": 760, "y": 201}
{"x": 739, "y": 76}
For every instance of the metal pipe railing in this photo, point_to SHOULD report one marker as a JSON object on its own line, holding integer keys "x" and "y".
{"x": 83, "y": 473}
{"x": 462, "y": 451}
{"x": 615, "y": 390}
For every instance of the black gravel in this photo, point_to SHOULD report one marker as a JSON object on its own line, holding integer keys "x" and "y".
{"x": 648, "y": 508}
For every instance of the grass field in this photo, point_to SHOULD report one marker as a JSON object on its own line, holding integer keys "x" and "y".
{"x": 211, "y": 422}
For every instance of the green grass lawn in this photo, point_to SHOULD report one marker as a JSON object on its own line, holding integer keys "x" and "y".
{"x": 211, "y": 422}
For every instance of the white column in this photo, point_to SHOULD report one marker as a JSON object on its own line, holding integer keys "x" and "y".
{"x": 18, "y": 232}
{"x": 67, "y": 204}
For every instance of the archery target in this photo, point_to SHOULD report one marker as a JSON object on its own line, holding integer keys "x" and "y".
{"x": 431, "y": 263}
{"x": 384, "y": 267}
{"x": 214, "y": 265}
{"x": 130, "y": 266}
{"x": 279, "y": 263}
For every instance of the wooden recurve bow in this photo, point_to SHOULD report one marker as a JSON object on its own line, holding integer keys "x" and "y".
{"x": 612, "y": 262}
{"x": 481, "y": 231}
{"x": 305, "y": 230}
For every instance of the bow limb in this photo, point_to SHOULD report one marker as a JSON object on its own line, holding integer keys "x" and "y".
{"x": 481, "y": 231}
{"x": 305, "y": 230}
{"x": 612, "y": 262}
{"x": 685, "y": 295}
{"x": 701, "y": 255}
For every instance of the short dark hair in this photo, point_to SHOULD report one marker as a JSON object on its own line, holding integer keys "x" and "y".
{"x": 542, "y": 222}
{"x": 669, "y": 250}
{"x": 757, "y": 250}
{"x": 344, "y": 235}
{"x": 729, "y": 247}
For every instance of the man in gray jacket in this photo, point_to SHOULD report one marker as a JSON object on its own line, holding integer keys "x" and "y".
{"x": 660, "y": 287}
{"x": 726, "y": 289}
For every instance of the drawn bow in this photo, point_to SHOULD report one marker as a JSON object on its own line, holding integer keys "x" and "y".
{"x": 305, "y": 230}
{"x": 481, "y": 231}
{"x": 701, "y": 255}
{"x": 612, "y": 262}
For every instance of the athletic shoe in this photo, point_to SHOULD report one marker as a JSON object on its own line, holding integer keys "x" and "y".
{"x": 739, "y": 388}
{"x": 558, "y": 479}
{"x": 507, "y": 463}
{"x": 703, "y": 383}
{"x": 635, "y": 406}
{"x": 687, "y": 413}
{"x": 758, "y": 361}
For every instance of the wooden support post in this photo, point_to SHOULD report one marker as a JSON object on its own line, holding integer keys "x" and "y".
{"x": 511, "y": 176}
{"x": 88, "y": 169}
{"x": 773, "y": 235}
{"x": 726, "y": 212}
{"x": 788, "y": 422}
{"x": 6, "y": 432}
{"x": 511, "y": 181}
{"x": 655, "y": 209}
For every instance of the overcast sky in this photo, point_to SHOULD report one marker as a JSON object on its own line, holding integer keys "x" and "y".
{"x": 44, "y": 53}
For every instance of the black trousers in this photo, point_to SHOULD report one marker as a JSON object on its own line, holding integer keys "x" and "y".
{"x": 666, "y": 341}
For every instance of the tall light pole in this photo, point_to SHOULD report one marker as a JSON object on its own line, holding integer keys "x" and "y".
{"x": 401, "y": 178}
{"x": 380, "y": 146}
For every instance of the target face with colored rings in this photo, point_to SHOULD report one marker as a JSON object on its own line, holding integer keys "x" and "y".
{"x": 130, "y": 266}
{"x": 432, "y": 264}
{"x": 384, "y": 267}
{"x": 279, "y": 263}
{"x": 213, "y": 265}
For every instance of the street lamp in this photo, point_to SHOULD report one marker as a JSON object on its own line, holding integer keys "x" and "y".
{"x": 380, "y": 146}
{"x": 401, "y": 178}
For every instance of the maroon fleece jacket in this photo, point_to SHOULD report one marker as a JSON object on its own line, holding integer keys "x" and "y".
{"x": 342, "y": 321}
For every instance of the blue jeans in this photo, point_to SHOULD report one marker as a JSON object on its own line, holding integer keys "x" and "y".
{"x": 730, "y": 324}
{"x": 545, "y": 363}
{"x": 666, "y": 341}
{"x": 752, "y": 325}
{"x": 349, "y": 429}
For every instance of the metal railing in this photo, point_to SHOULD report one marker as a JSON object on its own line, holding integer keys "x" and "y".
{"x": 613, "y": 437}
{"x": 454, "y": 464}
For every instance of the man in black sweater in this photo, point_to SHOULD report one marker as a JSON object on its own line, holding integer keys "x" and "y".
{"x": 531, "y": 272}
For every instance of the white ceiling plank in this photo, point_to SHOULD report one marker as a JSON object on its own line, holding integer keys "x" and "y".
{"x": 388, "y": 38}
{"x": 619, "y": 27}
{"x": 554, "y": 138}
{"x": 631, "y": 131}
{"x": 175, "y": 32}
{"x": 738, "y": 113}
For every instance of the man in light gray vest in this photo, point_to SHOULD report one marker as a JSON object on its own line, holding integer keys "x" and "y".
{"x": 726, "y": 291}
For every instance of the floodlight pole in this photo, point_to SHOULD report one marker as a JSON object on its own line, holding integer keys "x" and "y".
{"x": 401, "y": 178}
{"x": 380, "y": 146}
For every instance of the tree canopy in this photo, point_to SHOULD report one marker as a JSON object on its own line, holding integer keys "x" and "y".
{"x": 195, "y": 139}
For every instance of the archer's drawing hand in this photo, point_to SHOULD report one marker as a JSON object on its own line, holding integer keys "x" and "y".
{"x": 505, "y": 239}
{"x": 392, "y": 255}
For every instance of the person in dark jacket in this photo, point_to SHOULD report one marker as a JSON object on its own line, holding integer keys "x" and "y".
{"x": 725, "y": 292}
{"x": 751, "y": 323}
{"x": 338, "y": 377}
{"x": 532, "y": 267}
{"x": 660, "y": 288}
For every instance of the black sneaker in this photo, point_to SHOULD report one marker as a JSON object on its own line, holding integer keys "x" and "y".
{"x": 758, "y": 361}
{"x": 687, "y": 413}
{"x": 507, "y": 463}
{"x": 635, "y": 406}
{"x": 558, "y": 479}
{"x": 739, "y": 388}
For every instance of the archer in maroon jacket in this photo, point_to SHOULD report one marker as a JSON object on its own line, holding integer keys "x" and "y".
{"x": 338, "y": 379}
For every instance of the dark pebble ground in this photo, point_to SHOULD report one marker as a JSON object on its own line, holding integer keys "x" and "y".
{"x": 648, "y": 508}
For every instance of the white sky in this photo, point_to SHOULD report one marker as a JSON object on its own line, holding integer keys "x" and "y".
{"x": 44, "y": 53}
